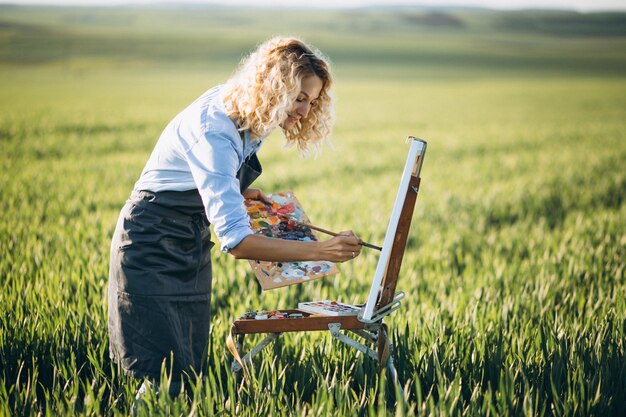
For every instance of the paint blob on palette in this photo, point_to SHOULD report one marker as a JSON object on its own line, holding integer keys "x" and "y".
{"x": 284, "y": 219}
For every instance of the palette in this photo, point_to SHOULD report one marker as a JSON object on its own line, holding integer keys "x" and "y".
{"x": 284, "y": 219}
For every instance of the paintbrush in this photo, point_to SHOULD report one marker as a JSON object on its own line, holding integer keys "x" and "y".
{"x": 328, "y": 232}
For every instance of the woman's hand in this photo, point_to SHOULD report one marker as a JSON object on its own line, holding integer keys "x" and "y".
{"x": 343, "y": 247}
{"x": 256, "y": 194}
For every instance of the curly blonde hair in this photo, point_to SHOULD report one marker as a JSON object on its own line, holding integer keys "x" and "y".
{"x": 265, "y": 86}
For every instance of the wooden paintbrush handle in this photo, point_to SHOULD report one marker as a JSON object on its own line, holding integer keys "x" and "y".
{"x": 328, "y": 232}
{"x": 319, "y": 229}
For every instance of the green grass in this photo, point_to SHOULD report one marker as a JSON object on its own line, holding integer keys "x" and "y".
{"x": 514, "y": 270}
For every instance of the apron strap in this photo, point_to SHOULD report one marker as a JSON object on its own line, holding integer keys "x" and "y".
{"x": 250, "y": 170}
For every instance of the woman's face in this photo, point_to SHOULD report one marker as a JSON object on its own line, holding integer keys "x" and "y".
{"x": 310, "y": 89}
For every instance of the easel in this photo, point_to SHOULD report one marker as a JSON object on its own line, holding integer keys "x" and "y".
{"x": 383, "y": 298}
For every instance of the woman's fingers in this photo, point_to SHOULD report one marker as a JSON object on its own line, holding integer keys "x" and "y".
{"x": 346, "y": 247}
{"x": 354, "y": 238}
{"x": 256, "y": 194}
{"x": 265, "y": 198}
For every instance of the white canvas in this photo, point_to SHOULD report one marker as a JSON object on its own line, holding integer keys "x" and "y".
{"x": 417, "y": 149}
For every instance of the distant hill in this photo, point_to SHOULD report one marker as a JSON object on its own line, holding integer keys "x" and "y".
{"x": 402, "y": 38}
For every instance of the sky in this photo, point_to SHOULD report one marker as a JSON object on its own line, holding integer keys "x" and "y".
{"x": 579, "y": 5}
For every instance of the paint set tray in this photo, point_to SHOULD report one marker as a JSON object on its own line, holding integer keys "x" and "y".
{"x": 292, "y": 320}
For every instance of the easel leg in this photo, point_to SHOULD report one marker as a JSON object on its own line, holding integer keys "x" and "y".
{"x": 383, "y": 346}
{"x": 239, "y": 342}
{"x": 393, "y": 374}
{"x": 247, "y": 358}
{"x": 239, "y": 348}
{"x": 385, "y": 356}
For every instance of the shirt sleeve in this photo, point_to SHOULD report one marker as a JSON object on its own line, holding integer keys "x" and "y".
{"x": 214, "y": 161}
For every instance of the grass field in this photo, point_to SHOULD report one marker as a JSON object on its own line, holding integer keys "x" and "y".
{"x": 514, "y": 270}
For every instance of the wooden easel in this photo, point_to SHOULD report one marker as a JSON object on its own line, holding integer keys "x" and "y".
{"x": 382, "y": 300}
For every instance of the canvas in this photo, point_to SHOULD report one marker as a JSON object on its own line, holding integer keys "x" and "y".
{"x": 284, "y": 219}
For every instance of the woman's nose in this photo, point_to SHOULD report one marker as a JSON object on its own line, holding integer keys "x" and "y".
{"x": 303, "y": 110}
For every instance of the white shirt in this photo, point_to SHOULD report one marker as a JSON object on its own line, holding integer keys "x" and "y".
{"x": 202, "y": 148}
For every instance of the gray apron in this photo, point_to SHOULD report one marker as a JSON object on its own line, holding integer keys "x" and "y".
{"x": 160, "y": 281}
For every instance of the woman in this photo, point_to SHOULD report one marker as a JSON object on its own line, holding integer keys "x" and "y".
{"x": 199, "y": 174}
